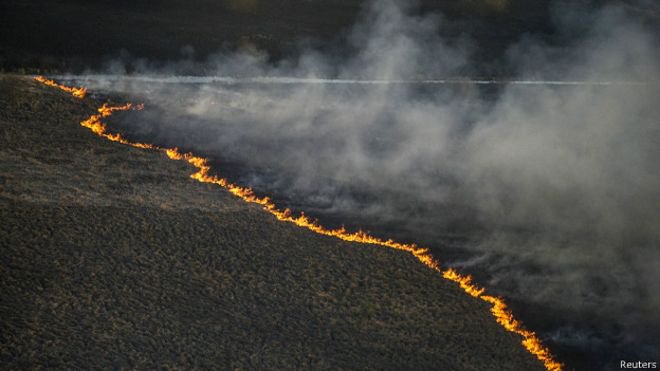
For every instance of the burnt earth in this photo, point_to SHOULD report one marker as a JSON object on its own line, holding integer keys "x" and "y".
{"x": 112, "y": 257}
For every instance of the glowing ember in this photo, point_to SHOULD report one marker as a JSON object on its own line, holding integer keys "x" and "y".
{"x": 499, "y": 309}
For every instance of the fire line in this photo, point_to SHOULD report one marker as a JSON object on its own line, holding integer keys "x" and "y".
{"x": 499, "y": 309}
{"x": 76, "y": 92}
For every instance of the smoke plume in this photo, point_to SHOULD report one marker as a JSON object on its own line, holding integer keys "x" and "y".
{"x": 550, "y": 190}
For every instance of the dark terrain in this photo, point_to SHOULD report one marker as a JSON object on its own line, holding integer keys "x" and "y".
{"x": 74, "y": 34}
{"x": 112, "y": 258}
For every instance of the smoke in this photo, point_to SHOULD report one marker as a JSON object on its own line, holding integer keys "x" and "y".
{"x": 552, "y": 190}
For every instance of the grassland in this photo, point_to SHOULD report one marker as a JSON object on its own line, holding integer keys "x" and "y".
{"x": 113, "y": 258}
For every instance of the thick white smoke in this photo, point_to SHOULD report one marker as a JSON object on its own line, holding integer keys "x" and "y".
{"x": 561, "y": 175}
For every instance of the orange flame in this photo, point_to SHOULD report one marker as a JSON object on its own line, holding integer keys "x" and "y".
{"x": 94, "y": 124}
{"x": 76, "y": 92}
{"x": 499, "y": 309}
{"x": 506, "y": 319}
{"x": 530, "y": 341}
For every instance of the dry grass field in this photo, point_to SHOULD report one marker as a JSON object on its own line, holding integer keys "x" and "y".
{"x": 113, "y": 258}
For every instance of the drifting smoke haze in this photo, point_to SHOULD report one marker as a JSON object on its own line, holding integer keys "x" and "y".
{"x": 551, "y": 191}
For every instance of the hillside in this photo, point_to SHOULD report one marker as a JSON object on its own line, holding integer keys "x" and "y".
{"x": 112, "y": 257}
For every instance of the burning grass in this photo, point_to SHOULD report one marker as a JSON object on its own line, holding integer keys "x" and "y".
{"x": 410, "y": 320}
{"x": 499, "y": 308}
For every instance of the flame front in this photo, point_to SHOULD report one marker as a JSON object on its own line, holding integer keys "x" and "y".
{"x": 499, "y": 309}
{"x": 94, "y": 124}
{"x": 76, "y": 92}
